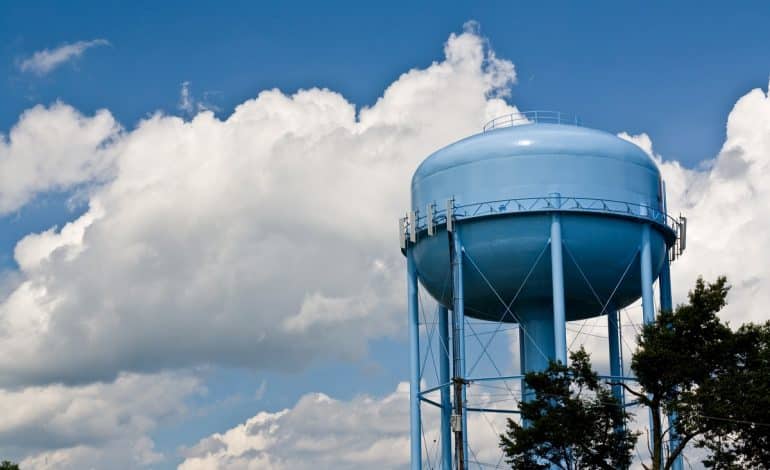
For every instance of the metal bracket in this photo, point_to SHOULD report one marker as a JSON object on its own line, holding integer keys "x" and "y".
{"x": 682, "y": 233}
{"x": 456, "y": 423}
{"x": 412, "y": 227}
{"x": 450, "y": 215}
{"x": 430, "y": 211}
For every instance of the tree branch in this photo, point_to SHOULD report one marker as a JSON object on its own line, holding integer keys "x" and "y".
{"x": 679, "y": 449}
{"x": 633, "y": 392}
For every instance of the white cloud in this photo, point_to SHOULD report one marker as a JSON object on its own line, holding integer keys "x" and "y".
{"x": 57, "y": 426}
{"x": 321, "y": 432}
{"x": 42, "y": 62}
{"x": 268, "y": 240}
{"x": 54, "y": 149}
{"x": 121, "y": 454}
{"x": 265, "y": 240}
{"x": 186, "y": 101}
{"x": 727, "y": 202}
{"x": 189, "y": 105}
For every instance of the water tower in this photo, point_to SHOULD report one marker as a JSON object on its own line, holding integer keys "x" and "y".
{"x": 535, "y": 221}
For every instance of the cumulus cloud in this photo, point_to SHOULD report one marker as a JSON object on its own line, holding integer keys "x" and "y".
{"x": 727, "y": 202}
{"x": 189, "y": 105}
{"x": 185, "y": 99}
{"x": 120, "y": 454}
{"x": 231, "y": 241}
{"x": 321, "y": 432}
{"x": 43, "y": 62}
{"x": 54, "y": 148}
{"x": 267, "y": 240}
{"x": 68, "y": 427}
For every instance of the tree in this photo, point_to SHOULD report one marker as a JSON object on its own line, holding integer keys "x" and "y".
{"x": 573, "y": 421}
{"x": 8, "y": 465}
{"x": 716, "y": 381}
{"x": 737, "y": 404}
{"x": 688, "y": 363}
{"x": 678, "y": 360}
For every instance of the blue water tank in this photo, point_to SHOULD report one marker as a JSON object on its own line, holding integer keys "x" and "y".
{"x": 505, "y": 184}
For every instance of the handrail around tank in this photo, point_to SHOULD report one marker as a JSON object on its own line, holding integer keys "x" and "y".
{"x": 675, "y": 227}
{"x": 531, "y": 117}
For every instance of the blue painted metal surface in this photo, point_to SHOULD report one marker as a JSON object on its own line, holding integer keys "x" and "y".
{"x": 535, "y": 160}
{"x": 616, "y": 358}
{"x": 415, "y": 424}
{"x": 648, "y": 307}
{"x": 647, "y": 277}
{"x": 500, "y": 181}
{"x": 458, "y": 336}
{"x": 536, "y": 338}
{"x": 664, "y": 285}
{"x": 666, "y": 303}
{"x": 444, "y": 378}
{"x": 557, "y": 289}
{"x": 594, "y": 199}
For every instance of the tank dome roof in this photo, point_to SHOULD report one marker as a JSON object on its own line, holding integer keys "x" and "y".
{"x": 534, "y": 139}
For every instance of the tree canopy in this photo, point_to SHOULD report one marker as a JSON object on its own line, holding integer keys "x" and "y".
{"x": 688, "y": 363}
{"x": 677, "y": 355}
{"x": 736, "y": 404}
{"x": 595, "y": 435}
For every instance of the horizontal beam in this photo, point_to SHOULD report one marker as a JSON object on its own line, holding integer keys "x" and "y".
{"x": 493, "y": 410}
{"x": 492, "y": 379}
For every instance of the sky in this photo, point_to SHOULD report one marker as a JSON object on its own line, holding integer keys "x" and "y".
{"x": 199, "y": 266}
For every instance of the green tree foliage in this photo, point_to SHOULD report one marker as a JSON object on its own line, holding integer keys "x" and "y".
{"x": 688, "y": 363}
{"x": 717, "y": 382}
{"x": 8, "y": 465}
{"x": 737, "y": 404}
{"x": 572, "y": 422}
{"x": 679, "y": 354}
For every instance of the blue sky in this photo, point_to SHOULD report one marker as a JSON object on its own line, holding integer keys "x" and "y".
{"x": 672, "y": 72}
{"x": 706, "y": 53}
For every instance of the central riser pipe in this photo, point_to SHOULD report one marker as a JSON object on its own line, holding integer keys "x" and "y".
{"x": 536, "y": 341}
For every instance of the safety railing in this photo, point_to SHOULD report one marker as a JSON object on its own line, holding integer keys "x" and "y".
{"x": 532, "y": 117}
{"x": 435, "y": 216}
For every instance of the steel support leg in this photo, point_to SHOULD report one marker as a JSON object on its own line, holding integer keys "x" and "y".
{"x": 616, "y": 358}
{"x": 414, "y": 362}
{"x": 557, "y": 286}
{"x": 664, "y": 283}
{"x": 444, "y": 378}
{"x": 458, "y": 340}
{"x": 648, "y": 307}
{"x": 666, "y": 303}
